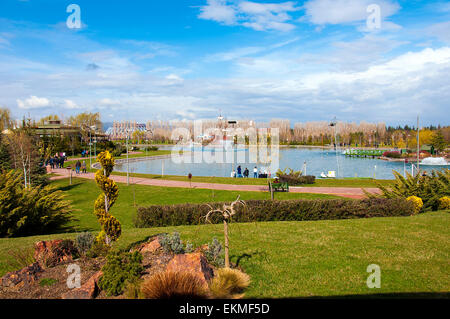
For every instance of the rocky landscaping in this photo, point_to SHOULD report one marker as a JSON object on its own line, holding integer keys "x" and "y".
{"x": 48, "y": 276}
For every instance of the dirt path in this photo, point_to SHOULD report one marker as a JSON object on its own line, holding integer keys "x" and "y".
{"x": 338, "y": 191}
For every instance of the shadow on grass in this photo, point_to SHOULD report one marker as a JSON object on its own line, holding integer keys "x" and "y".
{"x": 69, "y": 187}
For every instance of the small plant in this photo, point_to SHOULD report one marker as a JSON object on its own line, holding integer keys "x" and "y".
{"x": 172, "y": 243}
{"x": 120, "y": 267}
{"x": 189, "y": 248}
{"x": 174, "y": 285}
{"x": 229, "y": 283}
{"x": 214, "y": 253}
{"x": 132, "y": 290}
{"x": 21, "y": 258}
{"x": 47, "y": 282}
{"x": 444, "y": 202}
{"x": 98, "y": 249}
{"x": 418, "y": 203}
{"x": 84, "y": 242}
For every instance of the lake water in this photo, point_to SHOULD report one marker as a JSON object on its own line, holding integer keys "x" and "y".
{"x": 317, "y": 161}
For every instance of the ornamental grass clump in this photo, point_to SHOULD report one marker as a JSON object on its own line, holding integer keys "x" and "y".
{"x": 174, "y": 285}
{"x": 229, "y": 283}
{"x": 418, "y": 203}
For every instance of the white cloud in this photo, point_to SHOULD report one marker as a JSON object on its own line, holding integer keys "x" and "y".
{"x": 33, "y": 102}
{"x": 254, "y": 15}
{"x": 440, "y": 31}
{"x": 218, "y": 10}
{"x": 108, "y": 101}
{"x": 346, "y": 11}
{"x": 69, "y": 104}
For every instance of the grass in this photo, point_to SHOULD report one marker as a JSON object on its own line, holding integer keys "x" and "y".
{"x": 83, "y": 193}
{"x": 319, "y": 258}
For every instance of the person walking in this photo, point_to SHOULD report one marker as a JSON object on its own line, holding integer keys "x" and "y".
{"x": 52, "y": 163}
{"x": 255, "y": 172}
{"x": 83, "y": 167}
{"x": 246, "y": 172}
{"x": 77, "y": 167}
{"x": 239, "y": 171}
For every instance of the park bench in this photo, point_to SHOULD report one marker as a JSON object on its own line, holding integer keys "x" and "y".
{"x": 278, "y": 187}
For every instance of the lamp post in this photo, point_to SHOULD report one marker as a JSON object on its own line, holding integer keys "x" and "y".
{"x": 128, "y": 163}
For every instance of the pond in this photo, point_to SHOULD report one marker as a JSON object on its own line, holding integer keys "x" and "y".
{"x": 317, "y": 160}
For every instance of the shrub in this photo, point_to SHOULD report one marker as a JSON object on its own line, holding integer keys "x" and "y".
{"x": 444, "y": 202}
{"x": 98, "y": 249}
{"x": 111, "y": 227}
{"x": 429, "y": 188}
{"x": 418, "y": 203}
{"x": 392, "y": 154}
{"x": 30, "y": 211}
{"x": 174, "y": 285}
{"x": 173, "y": 244}
{"x": 151, "y": 148}
{"x": 84, "y": 242}
{"x": 268, "y": 210}
{"x": 229, "y": 283}
{"x": 294, "y": 178}
{"x": 214, "y": 253}
{"x": 120, "y": 267}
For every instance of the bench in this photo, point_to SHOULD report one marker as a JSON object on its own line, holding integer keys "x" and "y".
{"x": 278, "y": 187}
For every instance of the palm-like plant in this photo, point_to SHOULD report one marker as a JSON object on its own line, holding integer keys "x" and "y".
{"x": 429, "y": 188}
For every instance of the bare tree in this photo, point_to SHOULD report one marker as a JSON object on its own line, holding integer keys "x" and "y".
{"x": 227, "y": 212}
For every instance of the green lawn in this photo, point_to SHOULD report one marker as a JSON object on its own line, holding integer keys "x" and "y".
{"x": 83, "y": 193}
{"x": 319, "y": 258}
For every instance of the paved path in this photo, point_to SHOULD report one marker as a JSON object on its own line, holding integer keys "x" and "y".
{"x": 339, "y": 191}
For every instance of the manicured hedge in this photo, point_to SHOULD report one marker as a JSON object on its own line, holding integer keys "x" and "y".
{"x": 293, "y": 180}
{"x": 268, "y": 210}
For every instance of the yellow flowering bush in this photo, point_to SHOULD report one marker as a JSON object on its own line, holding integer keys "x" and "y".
{"x": 444, "y": 202}
{"x": 418, "y": 203}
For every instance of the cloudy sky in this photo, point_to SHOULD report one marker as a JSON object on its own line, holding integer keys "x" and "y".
{"x": 188, "y": 59}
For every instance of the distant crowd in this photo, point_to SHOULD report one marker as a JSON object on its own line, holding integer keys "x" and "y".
{"x": 245, "y": 174}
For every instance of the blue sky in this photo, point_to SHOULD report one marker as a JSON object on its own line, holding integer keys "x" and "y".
{"x": 300, "y": 60}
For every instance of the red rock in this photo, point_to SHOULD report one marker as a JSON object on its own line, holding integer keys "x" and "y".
{"x": 89, "y": 290}
{"x": 20, "y": 278}
{"x": 194, "y": 263}
{"x": 53, "y": 252}
{"x": 149, "y": 247}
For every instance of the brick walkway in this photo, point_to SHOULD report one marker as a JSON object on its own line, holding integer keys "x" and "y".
{"x": 338, "y": 191}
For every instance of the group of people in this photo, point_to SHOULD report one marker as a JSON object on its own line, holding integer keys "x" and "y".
{"x": 56, "y": 161}
{"x": 246, "y": 173}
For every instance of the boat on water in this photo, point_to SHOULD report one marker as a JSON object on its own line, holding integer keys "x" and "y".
{"x": 434, "y": 161}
